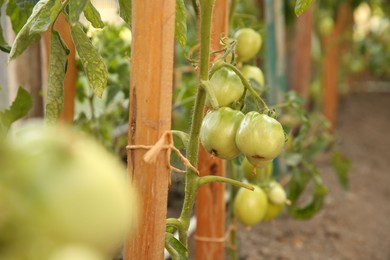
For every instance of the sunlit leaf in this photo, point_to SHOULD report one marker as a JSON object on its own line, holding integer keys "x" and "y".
{"x": 39, "y": 21}
{"x": 301, "y": 6}
{"x": 19, "y": 108}
{"x": 125, "y": 10}
{"x": 18, "y": 15}
{"x": 57, "y": 69}
{"x": 76, "y": 7}
{"x": 181, "y": 23}
{"x": 93, "y": 64}
{"x": 93, "y": 16}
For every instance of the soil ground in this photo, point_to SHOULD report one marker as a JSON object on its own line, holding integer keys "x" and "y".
{"x": 353, "y": 224}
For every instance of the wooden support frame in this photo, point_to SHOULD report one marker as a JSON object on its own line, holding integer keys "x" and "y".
{"x": 150, "y": 116}
{"x": 210, "y": 203}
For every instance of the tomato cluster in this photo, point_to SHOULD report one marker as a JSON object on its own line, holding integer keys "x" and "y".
{"x": 269, "y": 195}
{"x": 227, "y": 132}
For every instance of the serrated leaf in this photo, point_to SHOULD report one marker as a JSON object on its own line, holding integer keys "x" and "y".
{"x": 341, "y": 164}
{"x": 181, "y": 23}
{"x": 93, "y": 16}
{"x": 57, "y": 69}
{"x": 19, "y": 108}
{"x": 301, "y": 6}
{"x": 93, "y": 64}
{"x": 176, "y": 249}
{"x": 39, "y": 21}
{"x": 125, "y": 10}
{"x": 18, "y": 15}
{"x": 76, "y": 7}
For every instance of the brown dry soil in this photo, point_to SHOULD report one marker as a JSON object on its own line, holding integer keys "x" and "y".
{"x": 353, "y": 224}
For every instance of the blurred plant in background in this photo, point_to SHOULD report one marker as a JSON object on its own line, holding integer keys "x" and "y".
{"x": 107, "y": 118}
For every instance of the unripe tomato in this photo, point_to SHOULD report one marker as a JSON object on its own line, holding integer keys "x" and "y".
{"x": 218, "y": 131}
{"x": 254, "y": 174}
{"x": 75, "y": 252}
{"x": 276, "y": 193}
{"x": 227, "y": 86}
{"x": 273, "y": 210}
{"x": 254, "y": 73}
{"x": 260, "y": 138}
{"x": 248, "y": 44}
{"x": 250, "y": 206}
{"x": 68, "y": 190}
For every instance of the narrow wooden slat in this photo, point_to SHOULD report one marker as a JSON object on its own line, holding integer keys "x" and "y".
{"x": 150, "y": 116}
{"x": 210, "y": 204}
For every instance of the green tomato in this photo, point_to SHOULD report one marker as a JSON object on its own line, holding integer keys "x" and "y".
{"x": 276, "y": 193}
{"x": 218, "y": 131}
{"x": 68, "y": 189}
{"x": 260, "y": 138}
{"x": 227, "y": 86}
{"x": 74, "y": 252}
{"x": 273, "y": 210}
{"x": 254, "y": 174}
{"x": 250, "y": 206}
{"x": 254, "y": 73}
{"x": 248, "y": 44}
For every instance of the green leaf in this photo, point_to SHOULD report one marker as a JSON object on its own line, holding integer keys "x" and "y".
{"x": 301, "y": 6}
{"x": 341, "y": 164}
{"x": 93, "y": 15}
{"x": 181, "y": 23}
{"x": 19, "y": 108}
{"x": 93, "y": 64}
{"x": 3, "y": 43}
{"x": 315, "y": 202}
{"x": 125, "y": 10}
{"x": 18, "y": 15}
{"x": 39, "y": 21}
{"x": 76, "y": 7}
{"x": 175, "y": 248}
{"x": 57, "y": 69}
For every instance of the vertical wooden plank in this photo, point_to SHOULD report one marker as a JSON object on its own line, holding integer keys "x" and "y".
{"x": 301, "y": 63}
{"x": 150, "y": 116}
{"x": 333, "y": 44}
{"x": 210, "y": 203}
{"x": 63, "y": 29}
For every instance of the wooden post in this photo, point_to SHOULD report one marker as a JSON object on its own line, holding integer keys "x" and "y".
{"x": 63, "y": 29}
{"x": 333, "y": 43}
{"x": 210, "y": 203}
{"x": 150, "y": 116}
{"x": 301, "y": 64}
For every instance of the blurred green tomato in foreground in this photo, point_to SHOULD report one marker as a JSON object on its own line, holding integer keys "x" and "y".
{"x": 59, "y": 187}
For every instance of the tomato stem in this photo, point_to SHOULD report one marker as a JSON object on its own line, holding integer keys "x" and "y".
{"x": 191, "y": 182}
{"x": 212, "y": 178}
{"x": 210, "y": 92}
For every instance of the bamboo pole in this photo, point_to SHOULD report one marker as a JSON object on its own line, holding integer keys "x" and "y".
{"x": 210, "y": 203}
{"x": 149, "y": 117}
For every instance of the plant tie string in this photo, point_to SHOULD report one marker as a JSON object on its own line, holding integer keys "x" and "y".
{"x": 164, "y": 143}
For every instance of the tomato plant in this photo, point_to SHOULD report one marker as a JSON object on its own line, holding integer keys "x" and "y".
{"x": 250, "y": 135}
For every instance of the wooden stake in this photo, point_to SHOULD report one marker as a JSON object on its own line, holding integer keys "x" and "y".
{"x": 210, "y": 204}
{"x": 301, "y": 64}
{"x": 333, "y": 44}
{"x": 150, "y": 116}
